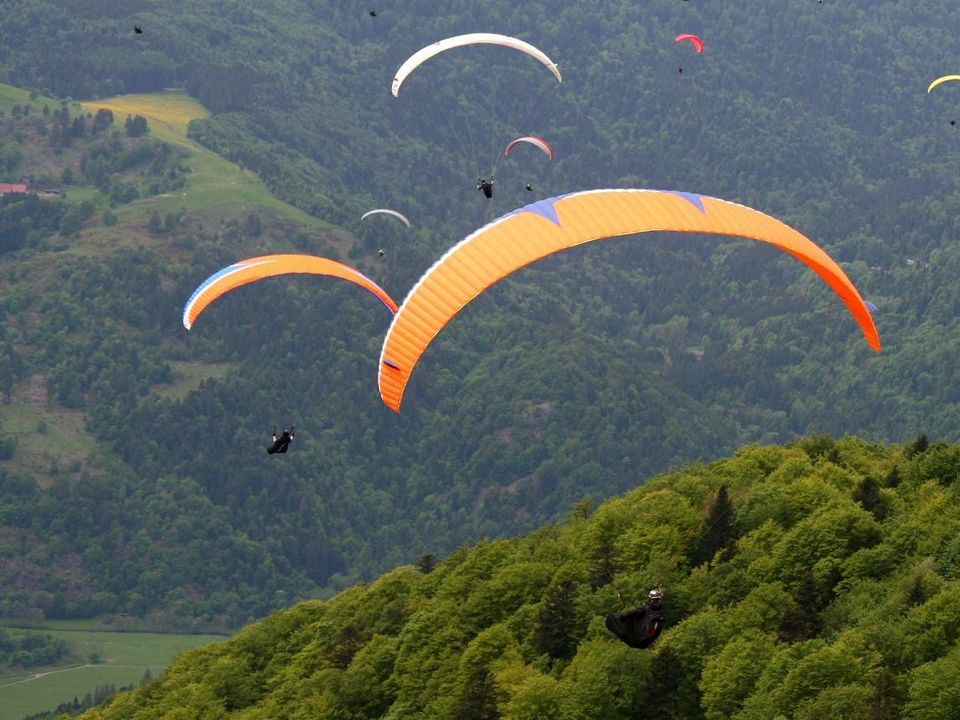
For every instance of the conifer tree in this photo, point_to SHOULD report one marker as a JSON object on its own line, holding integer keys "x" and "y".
{"x": 557, "y": 631}
{"x": 665, "y": 672}
{"x": 719, "y": 531}
{"x": 919, "y": 445}
{"x": 867, "y": 493}
{"x": 477, "y": 700}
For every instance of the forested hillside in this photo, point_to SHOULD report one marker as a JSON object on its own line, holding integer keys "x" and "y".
{"x": 816, "y": 580}
{"x": 581, "y": 376}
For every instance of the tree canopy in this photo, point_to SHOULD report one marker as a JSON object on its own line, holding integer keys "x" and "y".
{"x": 514, "y": 628}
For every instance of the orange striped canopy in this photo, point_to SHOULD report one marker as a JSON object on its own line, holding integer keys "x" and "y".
{"x": 258, "y": 268}
{"x": 549, "y": 226}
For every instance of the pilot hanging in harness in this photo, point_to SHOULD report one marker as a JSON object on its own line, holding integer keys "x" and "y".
{"x": 639, "y": 627}
{"x": 485, "y": 186}
{"x": 282, "y": 441}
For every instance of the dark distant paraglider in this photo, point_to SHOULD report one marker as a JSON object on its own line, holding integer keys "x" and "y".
{"x": 639, "y": 627}
{"x": 381, "y": 252}
{"x": 373, "y": 13}
{"x": 485, "y": 186}
{"x": 282, "y": 441}
{"x": 529, "y": 187}
{"x": 137, "y": 30}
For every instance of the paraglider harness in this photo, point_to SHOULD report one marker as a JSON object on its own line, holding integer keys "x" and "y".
{"x": 639, "y": 627}
{"x": 485, "y": 186}
{"x": 281, "y": 442}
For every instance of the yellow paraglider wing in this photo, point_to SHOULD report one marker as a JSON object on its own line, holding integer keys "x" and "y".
{"x": 258, "y": 268}
{"x": 941, "y": 81}
{"x": 549, "y": 226}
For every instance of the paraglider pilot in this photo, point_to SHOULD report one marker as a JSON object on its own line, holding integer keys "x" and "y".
{"x": 639, "y": 627}
{"x": 485, "y": 186}
{"x": 282, "y": 441}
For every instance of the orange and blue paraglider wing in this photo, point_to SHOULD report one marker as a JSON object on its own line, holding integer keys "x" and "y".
{"x": 258, "y": 268}
{"x": 549, "y": 226}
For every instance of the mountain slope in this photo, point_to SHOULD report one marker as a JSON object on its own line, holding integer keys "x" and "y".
{"x": 579, "y": 376}
{"x": 825, "y": 586}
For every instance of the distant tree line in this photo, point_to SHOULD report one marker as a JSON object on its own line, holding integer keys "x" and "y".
{"x": 24, "y": 650}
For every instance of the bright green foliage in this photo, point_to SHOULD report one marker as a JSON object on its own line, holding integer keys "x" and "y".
{"x": 476, "y": 696}
{"x": 848, "y": 660}
{"x": 934, "y": 689}
{"x": 730, "y": 676}
{"x": 796, "y": 623}
{"x": 935, "y": 626}
{"x": 762, "y": 608}
{"x": 821, "y": 541}
{"x": 844, "y": 702}
{"x": 536, "y": 697}
{"x": 605, "y": 680}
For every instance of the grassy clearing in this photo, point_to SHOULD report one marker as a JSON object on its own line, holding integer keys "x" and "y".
{"x": 82, "y": 193}
{"x": 46, "y": 436}
{"x": 64, "y": 434}
{"x": 187, "y": 376}
{"x": 10, "y": 96}
{"x": 123, "y": 659}
{"x": 215, "y": 187}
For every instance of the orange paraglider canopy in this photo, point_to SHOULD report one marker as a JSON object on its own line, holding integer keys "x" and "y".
{"x": 549, "y": 226}
{"x": 258, "y": 268}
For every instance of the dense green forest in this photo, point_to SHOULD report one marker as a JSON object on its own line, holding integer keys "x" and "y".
{"x": 816, "y": 580}
{"x": 20, "y": 650}
{"x": 581, "y": 376}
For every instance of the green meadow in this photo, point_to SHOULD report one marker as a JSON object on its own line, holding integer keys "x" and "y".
{"x": 188, "y": 376}
{"x": 101, "y": 658}
{"x": 10, "y": 96}
{"x": 47, "y": 436}
{"x": 214, "y": 185}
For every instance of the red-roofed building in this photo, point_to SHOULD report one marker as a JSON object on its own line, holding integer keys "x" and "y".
{"x": 13, "y": 189}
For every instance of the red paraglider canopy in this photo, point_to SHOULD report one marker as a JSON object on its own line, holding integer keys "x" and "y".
{"x": 693, "y": 39}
